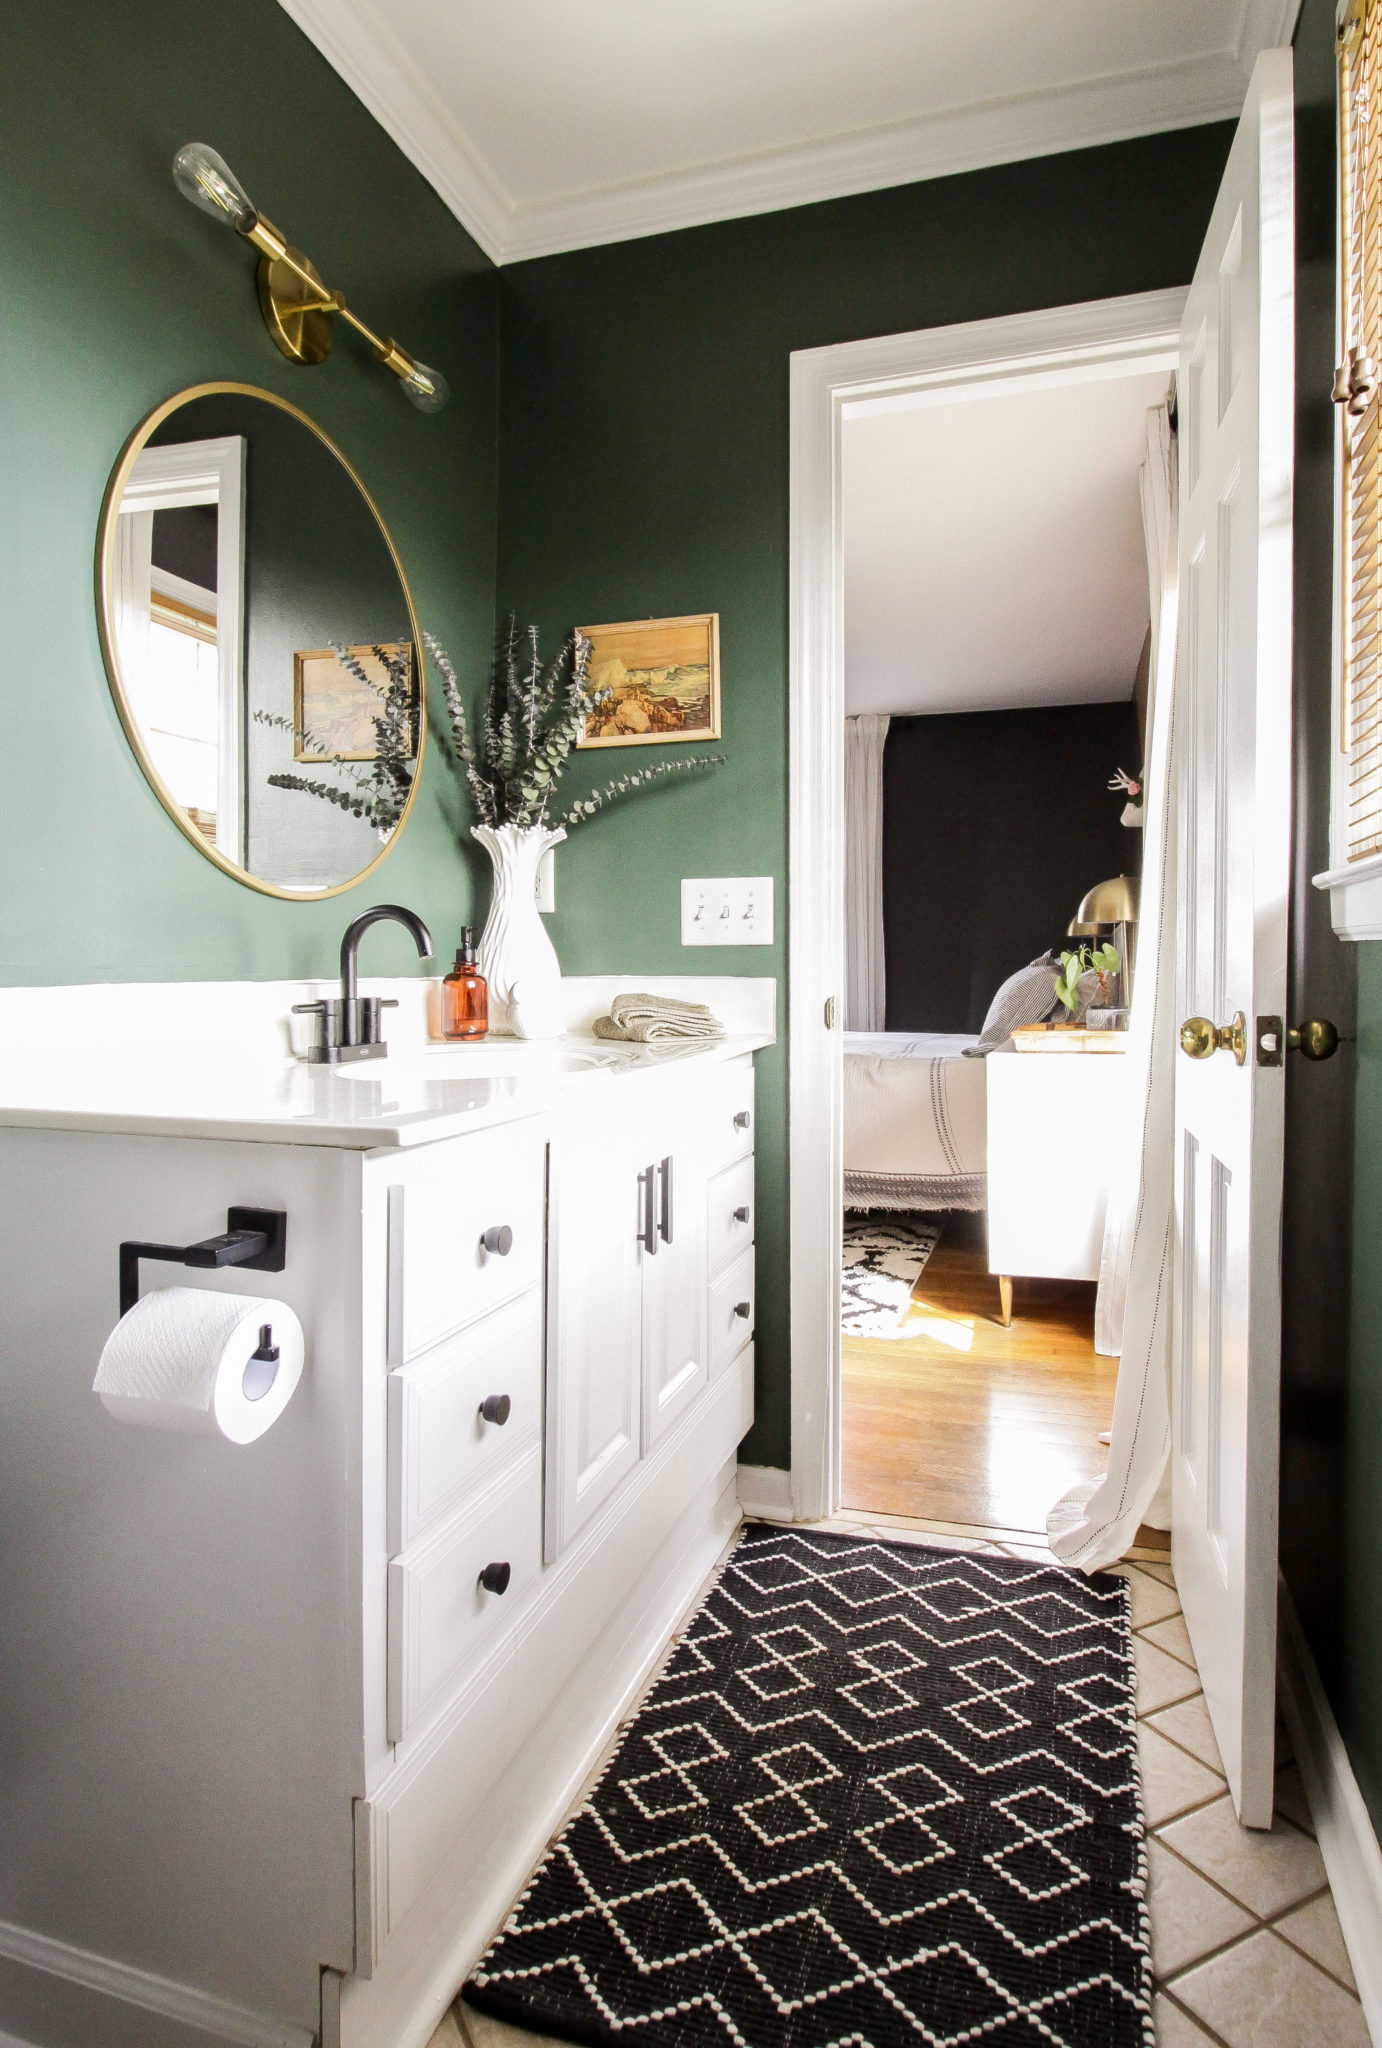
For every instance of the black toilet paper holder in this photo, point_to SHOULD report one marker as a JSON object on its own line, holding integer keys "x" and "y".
{"x": 257, "y": 1238}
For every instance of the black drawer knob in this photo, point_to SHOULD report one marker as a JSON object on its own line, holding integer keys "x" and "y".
{"x": 742, "y": 1120}
{"x": 498, "y": 1238}
{"x": 495, "y": 1578}
{"x": 496, "y": 1408}
{"x": 744, "y": 1309}
{"x": 742, "y": 1215}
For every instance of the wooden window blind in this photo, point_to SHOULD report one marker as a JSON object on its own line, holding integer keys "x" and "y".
{"x": 1356, "y": 391}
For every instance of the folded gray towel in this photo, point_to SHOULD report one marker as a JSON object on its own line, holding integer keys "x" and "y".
{"x": 645, "y": 1019}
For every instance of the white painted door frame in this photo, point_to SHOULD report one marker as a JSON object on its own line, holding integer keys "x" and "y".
{"x": 1105, "y": 337}
{"x": 211, "y": 472}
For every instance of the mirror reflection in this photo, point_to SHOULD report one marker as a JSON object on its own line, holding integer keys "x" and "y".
{"x": 261, "y": 641}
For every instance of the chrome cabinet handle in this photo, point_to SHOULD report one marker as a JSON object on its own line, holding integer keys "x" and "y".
{"x": 742, "y": 1119}
{"x": 496, "y": 1408}
{"x": 742, "y": 1215}
{"x": 495, "y": 1577}
{"x": 665, "y": 1219}
{"x": 647, "y": 1232}
{"x": 499, "y": 1239}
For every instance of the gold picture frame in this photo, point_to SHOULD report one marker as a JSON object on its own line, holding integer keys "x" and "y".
{"x": 335, "y": 709}
{"x": 661, "y": 678}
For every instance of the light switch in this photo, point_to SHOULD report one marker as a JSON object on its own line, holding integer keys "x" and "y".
{"x": 730, "y": 910}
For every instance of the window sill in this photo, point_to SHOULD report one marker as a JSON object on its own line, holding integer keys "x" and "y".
{"x": 1355, "y": 898}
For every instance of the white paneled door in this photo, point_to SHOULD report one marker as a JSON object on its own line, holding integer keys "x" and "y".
{"x": 1233, "y": 742}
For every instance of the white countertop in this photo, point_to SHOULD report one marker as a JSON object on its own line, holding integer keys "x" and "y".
{"x": 412, "y": 1097}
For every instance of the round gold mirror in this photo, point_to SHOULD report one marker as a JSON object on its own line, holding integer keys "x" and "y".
{"x": 260, "y": 640}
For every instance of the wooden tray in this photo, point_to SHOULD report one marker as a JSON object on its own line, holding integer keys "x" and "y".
{"x": 1067, "y": 1038}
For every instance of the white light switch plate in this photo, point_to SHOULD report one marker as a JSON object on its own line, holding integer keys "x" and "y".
{"x": 729, "y": 910}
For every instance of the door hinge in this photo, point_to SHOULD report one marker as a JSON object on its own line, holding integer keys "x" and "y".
{"x": 830, "y": 1013}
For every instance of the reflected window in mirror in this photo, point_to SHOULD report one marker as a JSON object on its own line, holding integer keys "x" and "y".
{"x": 261, "y": 641}
{"x": 177, "y": 581}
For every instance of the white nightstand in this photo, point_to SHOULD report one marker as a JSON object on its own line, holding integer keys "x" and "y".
{"x": 1057, "y": 1126}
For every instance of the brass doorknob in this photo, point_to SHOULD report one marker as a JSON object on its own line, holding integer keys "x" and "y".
{"x": 1199, "y": 1037}
{"x": 1317, "y": 1038}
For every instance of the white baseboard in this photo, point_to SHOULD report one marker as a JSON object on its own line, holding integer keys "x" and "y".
{"x": 1348, "y": 1841}
{"x": 765, "y": 1490}
{"x": 214, "y": 2018}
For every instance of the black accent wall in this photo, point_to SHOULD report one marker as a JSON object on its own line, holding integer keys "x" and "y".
{"x": 995, "y": 823}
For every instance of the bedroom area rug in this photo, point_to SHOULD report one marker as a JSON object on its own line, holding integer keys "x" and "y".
{"x": 882, "y": 1257}
{"x": 881, "y": 1794}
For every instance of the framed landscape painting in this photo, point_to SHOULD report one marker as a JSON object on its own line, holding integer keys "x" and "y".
{"x": 658, "y": 679}
{"x": 333, "y": 711}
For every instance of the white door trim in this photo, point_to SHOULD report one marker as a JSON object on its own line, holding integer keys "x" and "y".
{"x": 1108, "y": 337}
{"x": 211, "y": 472}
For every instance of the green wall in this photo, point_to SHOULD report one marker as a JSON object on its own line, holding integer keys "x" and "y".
{"x": 644, "y": 433}
{"x": 116, "y": 292}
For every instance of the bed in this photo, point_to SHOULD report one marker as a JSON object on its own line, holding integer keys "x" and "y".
{"x": 916, "y": 1121}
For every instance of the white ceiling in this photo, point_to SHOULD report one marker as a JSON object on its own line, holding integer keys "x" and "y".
{"x": 559, "y": 124}
{"x": 994, "y": 555}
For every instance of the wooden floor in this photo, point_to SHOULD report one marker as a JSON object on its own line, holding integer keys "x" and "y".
{"x": 963, "y": 1421}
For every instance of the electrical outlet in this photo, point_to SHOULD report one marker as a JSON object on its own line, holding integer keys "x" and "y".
{"x": 732, "y": 910}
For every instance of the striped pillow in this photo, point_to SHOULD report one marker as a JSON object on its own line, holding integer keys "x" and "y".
{"x": 1027, "y": 997}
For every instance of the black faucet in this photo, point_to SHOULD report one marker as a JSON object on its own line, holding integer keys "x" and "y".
{"x": 348, "y": 1024}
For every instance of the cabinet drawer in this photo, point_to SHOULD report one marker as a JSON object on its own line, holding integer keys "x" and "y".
{"x": 730, "y": 1117}
{"x": 438, "y": 1610}
{"x": 441, "y": 1203}
{"x": 729, "y": 1330}
{"x": 440, "y": 1445}
{"x": 729, "y": 1214}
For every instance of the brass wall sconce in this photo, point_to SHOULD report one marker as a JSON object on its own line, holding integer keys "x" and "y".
{"x": 298, "y": 308}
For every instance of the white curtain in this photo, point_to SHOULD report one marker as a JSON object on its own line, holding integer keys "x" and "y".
{"x": 865, "y": 990}
{"x": 1095, "y": 1523}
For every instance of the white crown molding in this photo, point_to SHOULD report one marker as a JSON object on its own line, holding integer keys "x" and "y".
{"x": 968, "y": 139}
{"x": 386, "y": 81}
{"x": 1266, "y": 25}
{"x": 1149, "y": 101}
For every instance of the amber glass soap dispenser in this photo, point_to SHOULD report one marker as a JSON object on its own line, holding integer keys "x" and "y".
{"x": 465, "y": 995}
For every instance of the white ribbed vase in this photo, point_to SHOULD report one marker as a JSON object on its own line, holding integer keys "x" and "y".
{"x": 517, "y": 958}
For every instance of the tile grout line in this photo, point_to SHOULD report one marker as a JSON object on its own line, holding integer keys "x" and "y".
{"x": 1275, "y": 1927}
{"x": 1188, "y": 2013}
{"x": 1306, "y": 1898}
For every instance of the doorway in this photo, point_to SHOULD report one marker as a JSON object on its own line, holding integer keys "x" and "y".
{"x": 997, "y": 658}
{"x": 832, "y": 389}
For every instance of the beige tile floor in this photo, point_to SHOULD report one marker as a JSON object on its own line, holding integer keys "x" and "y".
{"x": 1245, "y": 1940}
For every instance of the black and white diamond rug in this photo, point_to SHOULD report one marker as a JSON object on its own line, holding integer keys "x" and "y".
{"x": 881, "y": 1795}
{"x": 882, "y": 1257}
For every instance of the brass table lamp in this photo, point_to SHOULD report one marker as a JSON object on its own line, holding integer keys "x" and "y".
{"x": 1112, "y": 906}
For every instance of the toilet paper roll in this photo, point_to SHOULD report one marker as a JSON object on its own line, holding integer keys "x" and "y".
{"x": 183, "y": 1358}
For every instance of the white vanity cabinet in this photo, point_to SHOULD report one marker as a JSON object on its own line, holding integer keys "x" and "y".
{"x": 348, "y": 1676}
{"x": 634, "y": 1337}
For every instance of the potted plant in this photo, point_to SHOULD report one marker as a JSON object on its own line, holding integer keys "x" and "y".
{"x": 1102, "y": 961}
{"x": 532, "y": 719}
